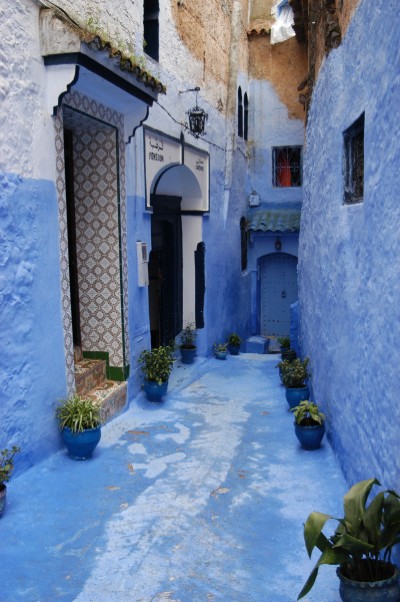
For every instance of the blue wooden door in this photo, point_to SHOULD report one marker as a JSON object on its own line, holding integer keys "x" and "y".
{"x": 278, "y": 287}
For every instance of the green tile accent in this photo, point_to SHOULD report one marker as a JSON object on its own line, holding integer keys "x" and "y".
{"x": 112, "y": 372}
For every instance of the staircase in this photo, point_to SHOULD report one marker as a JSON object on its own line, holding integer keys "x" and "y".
{"x": 91, "y": 383}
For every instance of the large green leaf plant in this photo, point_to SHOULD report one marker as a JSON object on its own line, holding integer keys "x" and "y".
{"x": 363, "y": 541}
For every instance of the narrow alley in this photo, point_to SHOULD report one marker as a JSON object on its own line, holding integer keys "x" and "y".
{"x": 199, "y": 498}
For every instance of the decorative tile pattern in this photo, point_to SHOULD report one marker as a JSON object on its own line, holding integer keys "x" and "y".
{"x": 99, "y": 165}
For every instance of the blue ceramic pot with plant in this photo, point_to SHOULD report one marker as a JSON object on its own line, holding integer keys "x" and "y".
{"x": 294, "y": 395}
{"x": 80, "y": 424}
{"x": 361, "y": 545}
{"x": 221, "y": 350}
{"x": 386, "y": 590}
{"x": 310, "y": 437}
{"x": 157, "y": 365}
{"x": 234, "y": 342}
{"x": 154, "y": 390}
{"x": 80, "y": 446}
{"x": 188, "y": 343}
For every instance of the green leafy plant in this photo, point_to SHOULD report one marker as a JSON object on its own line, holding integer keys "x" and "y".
{"x": 7, "y": 464}
{"x": 220, "y": 347}
{"x": 308, "y": 414}
{"x": 157, "y": 363}
{"x": 234, "y": 339}
{"x": 284, "y": 342}
{"x": 295, "y": 374}
{"x": 78, "y": 414}
{"x": 363, "y": 541}
{"x": 188, "y": 336}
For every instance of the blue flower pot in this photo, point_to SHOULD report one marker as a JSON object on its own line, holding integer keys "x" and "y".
{"x": 188, "y": 354}
{"x": 3, "y": 496}
{"x": 221, "y": 355}
{"x": 154, "y": 391}
{"x": 295, "y": 396}
{"x": 81, "y": 446}
{"x": 234, "y": 349}
{"x": 310, "y": 437}
{"x": 387, "y": 590}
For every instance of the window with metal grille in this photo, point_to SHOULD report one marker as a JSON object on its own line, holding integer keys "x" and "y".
{"x": 353, "y": 164}
{"x": 150, "y": 28}
{"x": 286, "y": 166}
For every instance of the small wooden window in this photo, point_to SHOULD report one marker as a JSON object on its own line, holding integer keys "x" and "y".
{"x": 246, "y": 117}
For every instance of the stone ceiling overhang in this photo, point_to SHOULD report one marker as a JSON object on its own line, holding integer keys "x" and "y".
{"x": 75, "y": 60}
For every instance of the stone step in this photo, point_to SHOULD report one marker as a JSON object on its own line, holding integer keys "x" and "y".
{"x": 89, "y": 374}
{"x": 257, "y": 344}
{"x": 111, "y": 397}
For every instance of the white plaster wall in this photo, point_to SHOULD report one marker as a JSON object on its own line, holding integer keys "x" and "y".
{"x": 26, "y": 128}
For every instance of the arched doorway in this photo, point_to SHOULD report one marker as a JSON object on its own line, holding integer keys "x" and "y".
{"x": 165, "y": 270}
{"x": 278, "y": 290}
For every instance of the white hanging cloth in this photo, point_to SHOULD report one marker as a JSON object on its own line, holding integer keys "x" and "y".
{"x": 282, "y": 29}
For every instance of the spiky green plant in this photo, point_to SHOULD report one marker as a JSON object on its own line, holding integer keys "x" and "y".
{"x": 188, "y": 336}
{"x": 78, "y": 414}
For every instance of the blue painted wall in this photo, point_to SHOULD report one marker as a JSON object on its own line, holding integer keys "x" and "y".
{"x": 32, "y": 366}
{"x": 349, "y": 273}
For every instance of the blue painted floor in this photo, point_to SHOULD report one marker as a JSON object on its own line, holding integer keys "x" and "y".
{"x": 197, "y": 499}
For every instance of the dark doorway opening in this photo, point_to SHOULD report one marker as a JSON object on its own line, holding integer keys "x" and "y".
{"x": 165, "y": 270}
{"x": 71, "y": 224}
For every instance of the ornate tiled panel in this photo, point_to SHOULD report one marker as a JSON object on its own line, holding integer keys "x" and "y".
{"x": 99, "y": 164}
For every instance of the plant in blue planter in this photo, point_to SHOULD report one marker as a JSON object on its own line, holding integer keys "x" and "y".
{"x": 361, "y": 545}
{"x": 294, "y": 378}
{"x": 309, "y": 424}
{"x": 234, "y": 342}
{"x": 156, "y": 365}
{"x": 221, "y": 350}
{"x": 80, "y": 424}
{"x": 188, "y": 343}
{"x": 6, "y": 470}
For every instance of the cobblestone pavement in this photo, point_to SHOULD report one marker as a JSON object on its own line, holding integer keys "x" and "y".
{"x": 199, "y": 498}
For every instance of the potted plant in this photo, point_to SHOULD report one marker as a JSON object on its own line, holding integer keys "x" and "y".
{"x": 283, "y": 366}
{"x": 6, "y": 470}
{"x": 309, "y": 424}
{"x": 361, "y": 546}
{"x": 188, "y": 343}
{"x": 80, "y": 424}
{"x": 156, "y": 365}
{"x": 294, "y": 379}
{"x": 234, "y": 342}
{"x": 286, "y": 352}
{"x": 284, "y": 342}
{"x": 220, "y": 350}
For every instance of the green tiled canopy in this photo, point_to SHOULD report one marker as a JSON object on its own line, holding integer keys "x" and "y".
{"x": 275, "y": 220}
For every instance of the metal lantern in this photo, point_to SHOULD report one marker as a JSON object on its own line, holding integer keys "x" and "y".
{"x": 197, "y": 117}
{"x": 197, "y": 120}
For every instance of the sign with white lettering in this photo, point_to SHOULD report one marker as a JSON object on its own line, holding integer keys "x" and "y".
{"x": 198, "y": 163}
{"x": 163, "y": 153}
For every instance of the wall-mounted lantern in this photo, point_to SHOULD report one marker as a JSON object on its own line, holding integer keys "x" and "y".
{"x": 197, "y": 116}
{"x": 278, "y": 244}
